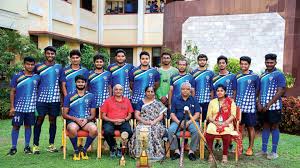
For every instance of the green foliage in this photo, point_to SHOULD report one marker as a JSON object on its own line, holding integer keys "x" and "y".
{"x": 13, "y": 44}
{"x": 290, "y": 115}
{"x": 4, "y": 101}
{"x": 290, "y": 80}
{"x": 87, "y": 54}
{"x": 191, "y": 52}
{"x": 62, "y": 55}
{"x": 233, "y": 66}
{"x": 104, "y": 52}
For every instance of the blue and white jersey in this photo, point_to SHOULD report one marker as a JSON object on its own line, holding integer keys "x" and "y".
{"x": 141, "y": 79}
{"x": 26, "y": 92}
{"x": 228, "y": 80}
{"x": 203, "y": 84}
{"x": 80, "y": 106}
{"x": 247, "y": 87}
{"x": 269, "y": 82}
{"x": 177, "y": 80}
{"x": 69, "y": 74}
{"x": 48, "y": 90}
{"x": 120, "y": 75}
{"x": 98, "y": 84}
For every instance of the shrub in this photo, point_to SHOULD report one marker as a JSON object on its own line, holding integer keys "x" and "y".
{"x": 62, "y": 55}
{"x": 233, "y": 66}
{"x": 104, "y": 52}
{"x": 290, "y": 115}
{"x": 4, "y": 102}
{"x": 87, "y": 54}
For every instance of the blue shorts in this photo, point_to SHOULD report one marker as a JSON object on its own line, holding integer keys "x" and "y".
{"x": 249, "y": 119}
{"x": 23, "y": 118}
{"x": 52, "y": 109}
{"x": 272, "y": 116}
{"x": 204, "y": 107}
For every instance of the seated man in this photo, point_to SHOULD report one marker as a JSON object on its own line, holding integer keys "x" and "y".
{"x": 177, "y": 113}
{"x": 80, "y": 111}
{"x": 116, "y": 112}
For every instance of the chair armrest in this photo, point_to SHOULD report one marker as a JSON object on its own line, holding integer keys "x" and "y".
{"x": 204, "y": 127}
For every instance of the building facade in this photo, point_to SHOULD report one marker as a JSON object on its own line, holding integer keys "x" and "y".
{"x": 111, "y": 24}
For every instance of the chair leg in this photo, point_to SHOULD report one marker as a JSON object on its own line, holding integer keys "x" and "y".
{"x": 168, "y": 147}
{"x": 202, "y": 147}
{"x": 236, "y": 153}
{"x": 65, "y": 144}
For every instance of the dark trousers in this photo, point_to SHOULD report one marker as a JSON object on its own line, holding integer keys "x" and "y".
{"x": 109, "y": 132}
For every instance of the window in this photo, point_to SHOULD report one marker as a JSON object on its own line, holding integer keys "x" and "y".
{"x": 121, "y": 6}
{"x": 156, "y": 6}
{"x": 34, "y": 39}
{"x": 129, "y": 54}
{"x": 87, "y": 4}
{"x": 156, "y": 51}
{"x": 57, "y": 43}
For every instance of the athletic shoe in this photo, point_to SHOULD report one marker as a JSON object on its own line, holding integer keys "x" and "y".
{"x": 36, "y": 149}
{"x": 272, "y": 156}
{"x": 192, "y": 157}
{"x": 27, "y": 150}
{"x": 218, "y": 146}
{"x": 76, "y": 156}
{"x": 84, "y": 155}
{"x": 249, "y": 152}
{"x": 119, "y": 152}
{"x": 51, "y": 148}
{"x": 261, "y": 154}
{"x": 175, "y": 156}
{"x": 113, "y": 153}
{"x": 12, "y": 151}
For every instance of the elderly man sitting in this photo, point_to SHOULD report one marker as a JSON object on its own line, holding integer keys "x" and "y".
{"x": 177, "y": 114}
{"x": 116, "y": 112}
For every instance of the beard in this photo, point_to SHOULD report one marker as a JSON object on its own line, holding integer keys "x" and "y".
{"x": 80, "y": 88}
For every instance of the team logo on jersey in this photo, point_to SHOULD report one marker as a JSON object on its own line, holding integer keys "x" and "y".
{"x": 86, "y": 101}
{"x": 207, "y": 77}
{"x": 34, "y": 82}
{"x": 150, "y": 74}
{"x": 126, "y": 70}
{"x": 249, "y": 81}
{"x": 57, "y": 71}
{"x": 227, "y": 81}
{"x": 105, "y": 77}
{"x": 270, "y": 78}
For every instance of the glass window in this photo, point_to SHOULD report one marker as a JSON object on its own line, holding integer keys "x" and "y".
{"x": 121, "y": 6}
{"x": 57, "y": 43}
{"x": 156, "y": 51}
{"x": 86, "y": 4}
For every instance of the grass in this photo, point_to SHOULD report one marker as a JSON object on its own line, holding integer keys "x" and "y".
{"x": 288, "y": 150}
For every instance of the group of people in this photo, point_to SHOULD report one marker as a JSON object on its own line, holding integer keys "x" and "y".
{"x": 152, "y": 7}
{"x": 149, "y": 95}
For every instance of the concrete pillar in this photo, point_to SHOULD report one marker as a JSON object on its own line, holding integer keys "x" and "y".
{"x": 140, "y": 27}
{"x": 100, "y": 13}
{"x": 76, "y": 17}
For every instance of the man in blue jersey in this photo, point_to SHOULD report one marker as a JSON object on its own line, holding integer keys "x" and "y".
{"x": 204, "y": 89}
{"x": 48, "y": 101}
{"x": 23, "y": 95}
{"x": 99, "y": 82}
{"x": 227, "y": 79}
{"x": 70, "y": 72}
{"x": 120, "y": 72}
{"x": 141, "y": 77}
{"x": 272, "y": 87}
{"x": 178, "y": 79}
{"x": 80, "y": 111}
{"x": 246, "y": 94}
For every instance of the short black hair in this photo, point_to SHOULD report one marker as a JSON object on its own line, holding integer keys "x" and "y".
{"x": 182, "y": 59}
{"x": 202, "y": 56}
{"x": 221, "y": 86}
{"x": 80, "y": 77}
{"x": 165, "y": 53}
{"x": 98, "y": 56}
{"x": 148, "y": 88}
{"x": 50, "y": 48}
{"x": 75, "y": 52}
{"x": 120, "y": 51}
{"x": 245, "y": 58}
{"x": 144, "y": 53}
{"x": 271, "y": 56}
{"x": 28, "y": 59}
{"x": 222, "y": 57}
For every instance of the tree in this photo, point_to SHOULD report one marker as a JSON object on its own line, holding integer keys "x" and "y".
{"x": 87, "y": 54}
{"x": 233, "y": 66}
{"x": 104, "y": 52}
{"x": 62, "y": 55}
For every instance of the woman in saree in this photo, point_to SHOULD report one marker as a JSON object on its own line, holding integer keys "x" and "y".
{"x": 220, "y": 114}
{"x": 149, "y": 114}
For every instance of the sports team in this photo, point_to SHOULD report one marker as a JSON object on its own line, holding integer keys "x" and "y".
{"x": 149, "y": 95}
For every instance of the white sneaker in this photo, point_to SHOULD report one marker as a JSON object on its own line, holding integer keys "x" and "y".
{"x": 261, "y": 154}
{"x": 272, "y": 156}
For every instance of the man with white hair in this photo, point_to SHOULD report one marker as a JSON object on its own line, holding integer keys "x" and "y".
{"x": 177, "y": 114}
{"x": 116, "y": 112}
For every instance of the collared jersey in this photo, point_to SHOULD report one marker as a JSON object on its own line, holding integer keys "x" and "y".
{"x": 228, "y": 80}
{"x": 178, "y": 104}
{"x": 177, "y": 80}
{"x": 26, "y": 92}
{"x": 165, "y": 78}
{"x": 69, "y": 74}
{"x": 80, "y": 106}
{"x": 99, "y": 85}
{"x": 48, "y": 90}
{"x": 203, "y": 84}
{"x": 269, "y": 82}
{"x": 141, "y": 79}
{"x": 120, "y": 75}
{"x": 247, "y": 87}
